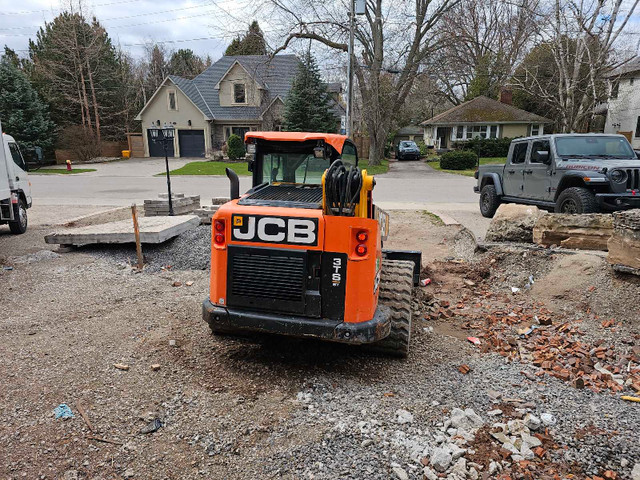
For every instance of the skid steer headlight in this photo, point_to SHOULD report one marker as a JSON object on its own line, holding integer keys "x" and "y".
{"x": 361, "y": 250}
{"x": 618, "y": 176}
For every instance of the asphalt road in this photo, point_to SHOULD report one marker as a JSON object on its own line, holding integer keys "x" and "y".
{"x": 407, "y": 185}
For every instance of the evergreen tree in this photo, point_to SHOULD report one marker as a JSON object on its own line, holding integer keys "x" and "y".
{"x": 252, "y": 43}
{"x": 307, "y": 108}
{"x": 185, "y": 63}
{"x": 75, "y": 70}
{"x": 24, "y": 115}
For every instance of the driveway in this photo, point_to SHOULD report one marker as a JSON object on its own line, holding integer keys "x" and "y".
{"x": 407, "y": 185}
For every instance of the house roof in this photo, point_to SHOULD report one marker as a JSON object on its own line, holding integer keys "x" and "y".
{"x": 410, "y": 130}
{"x": 274, "y": 74}
{"x": 485, "y": 110}
{"x": 629, "y": 67}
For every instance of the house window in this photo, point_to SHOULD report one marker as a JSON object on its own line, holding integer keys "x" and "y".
{"x": 476, "y": 131}
{"x": 535, "y": 130}
{"x": 172, "y": 101}
{"x": 638, "y": 128}
{"x": 615, "y": 87}
{"x": 459, "y": 132}
{"x": 239, "y": 93}
{"x": 493, "y": 131}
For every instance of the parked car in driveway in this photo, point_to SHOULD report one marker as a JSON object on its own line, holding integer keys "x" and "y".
{"x": 565, "y": 173}
{"x": 408, "y": 150}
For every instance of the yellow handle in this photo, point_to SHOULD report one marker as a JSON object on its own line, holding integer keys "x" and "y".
{"x": 630, "y": 399}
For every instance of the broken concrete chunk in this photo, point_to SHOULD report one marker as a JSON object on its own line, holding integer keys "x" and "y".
{"x": 403, "y": 416}
{"x": 513, "y": 223}
{"x": 585, "y": 232}
{"x": 441, "y": 459}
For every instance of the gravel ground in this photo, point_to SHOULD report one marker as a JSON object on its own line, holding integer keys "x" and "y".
{"x": 271, "y": 407}
{"x": 189, "y": 251}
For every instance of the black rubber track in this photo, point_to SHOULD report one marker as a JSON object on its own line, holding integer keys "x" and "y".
{"x": 396, "y": 284}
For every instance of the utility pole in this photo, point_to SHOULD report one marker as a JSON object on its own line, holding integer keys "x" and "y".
{"x": 349, "y": 119}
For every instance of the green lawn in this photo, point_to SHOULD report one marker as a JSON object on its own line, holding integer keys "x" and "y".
{"x": 470, "y": 172}
{"x": 210, "y": 168}
{"x": 374, "y": 169}
{"x": 217, "y": 168}
{"x": 60, "y": 171}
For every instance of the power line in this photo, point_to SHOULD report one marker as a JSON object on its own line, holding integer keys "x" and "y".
{"x": 27, "y": 12}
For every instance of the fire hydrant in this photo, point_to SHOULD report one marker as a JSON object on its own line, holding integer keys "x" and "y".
{"x": 69, "y": 165}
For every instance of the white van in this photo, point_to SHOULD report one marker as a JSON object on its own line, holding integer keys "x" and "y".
{"x": 15, "y": 188}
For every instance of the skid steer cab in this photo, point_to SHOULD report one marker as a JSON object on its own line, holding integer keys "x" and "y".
{"x": 301, "y": 254}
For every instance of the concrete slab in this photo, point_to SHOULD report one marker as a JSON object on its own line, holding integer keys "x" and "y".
{"x": 152, "y": 230}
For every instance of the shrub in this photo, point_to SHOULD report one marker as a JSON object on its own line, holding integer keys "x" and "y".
{"x": 236, "y": 147}
{"x": 458, "y": 160}
{"x": 423, "y": 149}
{"x": 81, "y": 142}
{"x": 486, "y": 147}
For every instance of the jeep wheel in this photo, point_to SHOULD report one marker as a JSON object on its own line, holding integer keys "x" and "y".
{"x": 576, "y": 200}
{"x": 396, "y": 284}
{"x": 489, "y": 201}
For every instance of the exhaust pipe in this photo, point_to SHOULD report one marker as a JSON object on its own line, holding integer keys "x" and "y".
{"x": 234, "y": 184}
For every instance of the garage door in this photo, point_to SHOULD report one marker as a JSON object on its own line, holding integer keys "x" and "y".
{"x": 191, "y": 143}
{"x": 156, "y": 149}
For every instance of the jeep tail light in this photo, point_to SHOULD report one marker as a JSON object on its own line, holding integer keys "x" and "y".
{"x": 361, "y": 250}
{"x": 362, "y": 236}
{"x": 218, "y": 235}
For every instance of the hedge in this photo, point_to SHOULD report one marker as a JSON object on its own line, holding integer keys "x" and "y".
{"x": 486, "y": 147}
{"x": 236, "y": 147}
{"x": 458, "y": 160}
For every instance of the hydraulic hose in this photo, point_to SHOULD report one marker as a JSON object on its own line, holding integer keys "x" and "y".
{"x": 342, "y": 188}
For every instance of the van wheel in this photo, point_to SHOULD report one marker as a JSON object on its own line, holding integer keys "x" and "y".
{"x": 19, "y": 226}
{"x": 396, "y": 284}
{"x": 576, "y": 200}
{"x": 489, "y": 201}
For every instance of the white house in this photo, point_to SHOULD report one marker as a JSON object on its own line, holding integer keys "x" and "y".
{"x": 623, "y": 109}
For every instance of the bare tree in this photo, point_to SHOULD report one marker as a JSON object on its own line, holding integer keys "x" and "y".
{"x": 483, "y": 41}
{"x": 393, "y": 39}
{"x": 581, "y": 39}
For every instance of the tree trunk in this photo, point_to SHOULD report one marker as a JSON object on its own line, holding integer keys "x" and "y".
{"x": 376, "y": 148}
{"x": 94, "y": 101}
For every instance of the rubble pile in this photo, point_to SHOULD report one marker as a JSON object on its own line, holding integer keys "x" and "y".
{"x": 556, "y": 350}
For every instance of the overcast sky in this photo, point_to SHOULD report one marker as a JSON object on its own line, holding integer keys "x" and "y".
{"x": 202, "y": 25}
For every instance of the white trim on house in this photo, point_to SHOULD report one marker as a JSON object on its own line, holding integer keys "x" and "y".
{"x": 217, "y": 87}
{"x": 167, "y": 79}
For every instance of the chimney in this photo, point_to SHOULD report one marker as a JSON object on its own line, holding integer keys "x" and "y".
{"x": 506, "y": 95}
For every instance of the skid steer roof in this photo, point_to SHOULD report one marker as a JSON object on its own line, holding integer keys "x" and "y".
{"x": 335, "y": 140}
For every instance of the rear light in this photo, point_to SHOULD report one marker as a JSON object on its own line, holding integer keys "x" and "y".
{"x": 362, "y": 236}
{"x": 361, "y": 250}
{"x": 218, "y": 237}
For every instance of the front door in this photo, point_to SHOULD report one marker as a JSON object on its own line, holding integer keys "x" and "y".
{"x": 537, "y": 175}
{"x": 513, "y": 179}
{"x": 443, "y": 134}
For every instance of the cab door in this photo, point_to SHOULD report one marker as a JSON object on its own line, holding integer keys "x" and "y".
{"x": 513, "y": 177}
{"x": 537, "y": 175}
{"x": 17, "y": 169}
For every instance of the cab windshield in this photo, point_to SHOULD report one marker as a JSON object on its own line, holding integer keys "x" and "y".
{"x": 592, "y": 147}
{"x": 293, "y": 162}
{"x": 293, "y": 168}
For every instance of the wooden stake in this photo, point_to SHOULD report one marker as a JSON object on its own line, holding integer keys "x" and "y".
{"x": 104, "y": 440}
{"x": 84, "y": 416}
{"x": 136, "y": 231}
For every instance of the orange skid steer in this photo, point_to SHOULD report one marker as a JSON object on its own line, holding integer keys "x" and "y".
{"x": 301, "y": 254}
